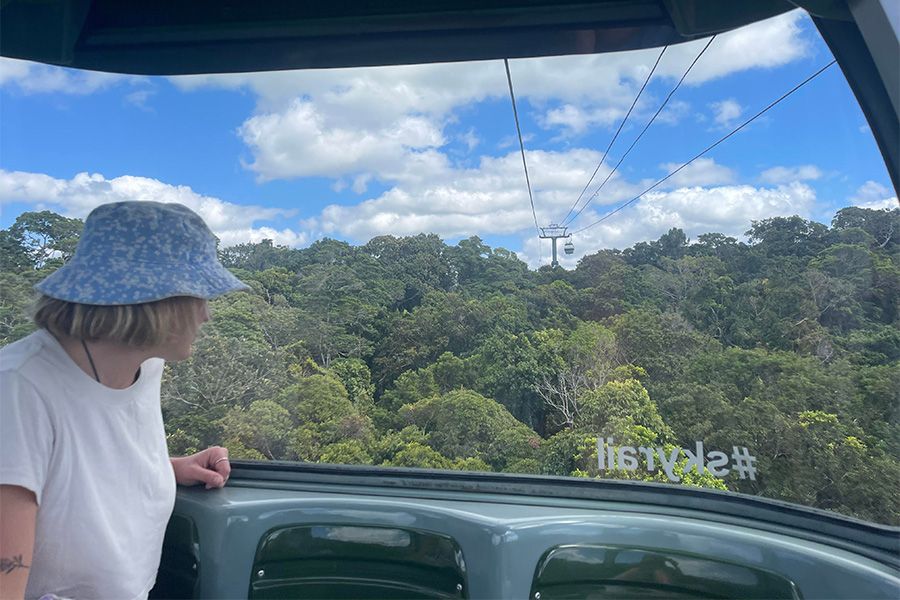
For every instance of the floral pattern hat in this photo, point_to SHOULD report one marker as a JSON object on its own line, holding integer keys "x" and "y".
{"x": 136, "y": 252}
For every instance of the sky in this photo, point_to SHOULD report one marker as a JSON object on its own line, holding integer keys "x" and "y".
{"x": 350, "y": 154}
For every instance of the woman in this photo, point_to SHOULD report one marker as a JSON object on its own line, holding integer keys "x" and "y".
{"x": 86, "y": 483}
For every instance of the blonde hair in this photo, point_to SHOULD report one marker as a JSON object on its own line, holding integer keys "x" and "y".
{"x": 138, "y": 325}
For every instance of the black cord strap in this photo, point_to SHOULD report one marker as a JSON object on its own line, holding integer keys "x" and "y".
{"x": 90, "y": 359}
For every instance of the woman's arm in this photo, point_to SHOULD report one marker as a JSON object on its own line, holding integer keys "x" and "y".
{"x": 18, "y": 514}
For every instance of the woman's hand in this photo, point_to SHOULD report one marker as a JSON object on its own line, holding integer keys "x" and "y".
{"x": 210, "y": 466}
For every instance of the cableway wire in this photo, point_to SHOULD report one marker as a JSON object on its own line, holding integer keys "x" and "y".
{"x": 512, "y": 97}
{"x": 641, "y": 134}
{"x": 613, "y": 140}
{"x": 744, "y": 124}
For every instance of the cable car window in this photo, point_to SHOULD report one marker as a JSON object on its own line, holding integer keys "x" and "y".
{"x": 675, "y": 265}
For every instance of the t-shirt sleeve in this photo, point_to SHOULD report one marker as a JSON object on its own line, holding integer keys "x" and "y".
{"x": 26, "y": 434}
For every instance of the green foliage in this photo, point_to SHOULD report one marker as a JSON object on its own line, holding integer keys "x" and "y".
{"x": 482, "y": 269}
{"x": 38, "y": 239}
{"x": 16, "y": 295}
{"x": 222, "y": 371}
{"x": 354, "y": 374}
{"x": 263, "y": 426}
{"x": 464, "y": 424}
{"x": 661, "y": 343}
{"x": 788, "y": 236}
{"x": 351, "y": 452}
{"x": 388, "y": 445}
{"x": 509, "y": 369}
{"x": 618, "y": 405}
{"x": 411, "y": 387}
{"x": 411, "y": 352}
{"x": 883, "y": 226}
{"x": 418, "y": 455}
{"x": 258, "y": 257}
{"x": 447, "y": 373}
{"x": 561, "y": 454}
{"x": 182, "y": 443}
{"x": 444, "y": 322}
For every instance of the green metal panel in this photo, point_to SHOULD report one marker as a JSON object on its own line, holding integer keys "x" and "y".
{"x": 351, "y": 561}
{"x": 179, "y": 568}
{"x": 595, "y": 571}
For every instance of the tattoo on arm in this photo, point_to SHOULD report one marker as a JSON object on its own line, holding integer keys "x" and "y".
{"x": 8, "y": 565}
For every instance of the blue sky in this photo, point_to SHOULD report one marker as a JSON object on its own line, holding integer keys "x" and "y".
{"x": 354, "y": 153}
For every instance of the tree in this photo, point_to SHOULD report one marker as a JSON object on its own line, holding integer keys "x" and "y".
{"x": 673, "y": 243}
{"x": 351, "y": 452}
{"x": 482, "y": 270}
{"x": 259, "y": 256}
{"x": 833, "y": 468}
{"x": 420, "y": 263}
{"x": 615, "y": 291}
{"x": 14, "y": 258}
{"x": 419, "y": 455}
{"x": 263, "y": 426}
{"x": 39, "y": 239}
{"x": 323, "y": 415}
{"x": 788, "y": 236}
{"x": 16, "y": 294}
{"x": 592, "y": 267}
{"x": 551, "y": 305}
{"x": 357, "y": 380}
{"x": 662, "y": 343}
{"x": 589, "y": 354}
{"x": 442, "y": 323}
{"x": 222, "y": 372}
{"x": 882, "y": 225}
{"x": 463, "y": 424}
{"x": 619, "y": 405}
{"x": 510, "y": 367}
{"x": 337, "y": 313}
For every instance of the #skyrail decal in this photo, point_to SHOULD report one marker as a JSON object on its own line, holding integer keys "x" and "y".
{"x": 716, "y": 463}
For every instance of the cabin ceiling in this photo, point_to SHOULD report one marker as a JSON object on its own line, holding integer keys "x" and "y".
{"x": 169, "y": 37}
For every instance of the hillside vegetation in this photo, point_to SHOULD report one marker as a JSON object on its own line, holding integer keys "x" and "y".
{"x": 412, "y": 352}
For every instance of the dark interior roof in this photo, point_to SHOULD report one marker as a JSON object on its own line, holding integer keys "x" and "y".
{"x": 167, "y": 37}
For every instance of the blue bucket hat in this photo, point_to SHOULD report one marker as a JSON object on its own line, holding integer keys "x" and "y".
{"x": 136, "y": 252}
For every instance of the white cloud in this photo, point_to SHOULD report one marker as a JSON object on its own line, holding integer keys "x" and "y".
{"x": 703, "y": 171}
{"x": 873, "y": 195}
{"x": 674, "y": 112}
{"x": 76, "y": 197}
{"x": 726, "y": 111}
{"x": 283, "y": 237}
{"x": 768, "y": 44}
{"x": 12, "y": 70}
{"x": 788, "y": 174}
{"x": 578, "y": 120}
{"x": 696, "y": 210}
{"x": 470, "y": 139}
{"x": 366, "y": 96}
{"x": 437, "y": 88}
{"x": 300, "y": 142}
{"x": 36, "y": 78}
{"x": 376, "y": 121}
{"x": 489, "y": 199}
{"x": 139, "y": 99}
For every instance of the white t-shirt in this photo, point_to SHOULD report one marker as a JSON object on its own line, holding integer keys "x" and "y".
{"x": 96, "y": 459}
